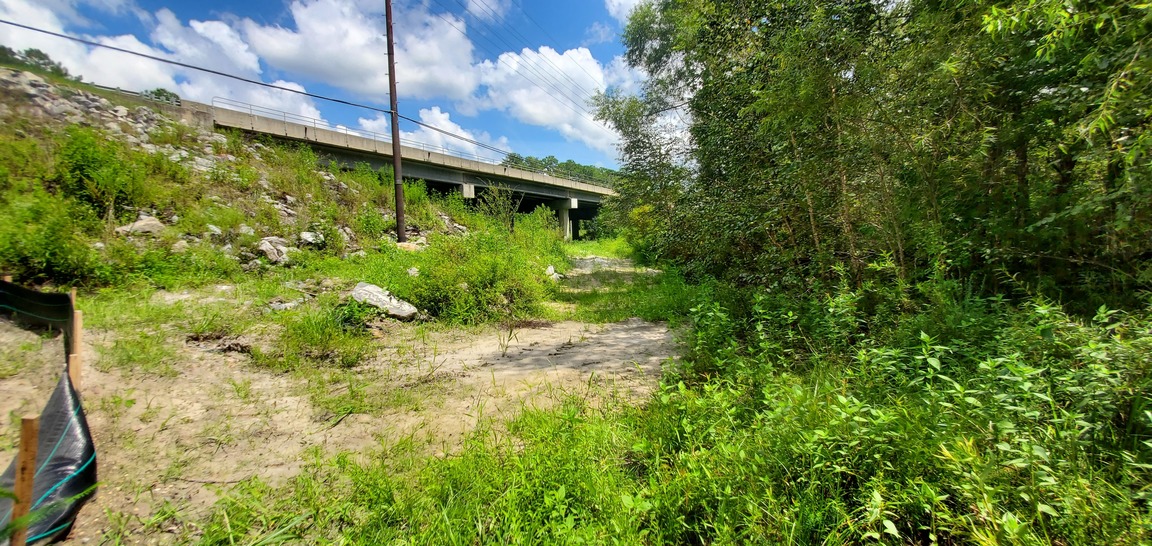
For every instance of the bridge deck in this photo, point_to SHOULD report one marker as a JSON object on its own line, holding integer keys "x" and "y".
{"x": 418, "y": 163}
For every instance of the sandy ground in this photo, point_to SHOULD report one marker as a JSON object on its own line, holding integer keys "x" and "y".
{"x": 178, "y": 441}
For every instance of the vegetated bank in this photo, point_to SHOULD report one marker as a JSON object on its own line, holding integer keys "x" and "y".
{"x": 929, "y": 229}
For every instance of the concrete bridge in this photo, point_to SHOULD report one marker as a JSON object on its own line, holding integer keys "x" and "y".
{"x": 573, "y": 200}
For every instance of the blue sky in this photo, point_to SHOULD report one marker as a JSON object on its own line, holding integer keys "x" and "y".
{"x": 514, "y": 74}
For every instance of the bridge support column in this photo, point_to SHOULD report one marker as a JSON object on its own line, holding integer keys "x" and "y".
{"x": 468, "y": 191}
{"x": 562, "y": 206}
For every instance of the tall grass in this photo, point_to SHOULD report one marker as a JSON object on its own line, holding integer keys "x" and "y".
{"x": 788, "y": 426}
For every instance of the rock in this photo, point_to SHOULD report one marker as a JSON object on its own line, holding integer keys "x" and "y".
{"x": 312, "y": 238}
{"x": 358, "y": 254}
{"x": 347, "y": 234}
{"x": 203, "y": 164}
{"x": 413, "y": 272}
{"x": 274, "y": 248}
{"x": 120, "y": 111}
{"x": 551, "y": 273}
{"x": 245, "y": 229}
{"x": 410, "y": 247}
{"x": 180, "y": 247}
{"x": 252, "y": 265}
{"x": 98, "y": 245}
{"x": 378, "y": 297}
{"x": 148, "y": 225}
{"x": 227, "y": 249}
{"x": 215, "y": 230}
{"x": 285, "y": 305}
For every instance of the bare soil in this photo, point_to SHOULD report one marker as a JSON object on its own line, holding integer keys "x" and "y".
{"x": 177, "y": 442}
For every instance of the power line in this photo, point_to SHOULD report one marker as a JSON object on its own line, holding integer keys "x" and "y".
{"x": 552, "y": 91}
{"x": 251, "y": 81}
{"x": 568, "y": 102}
{"x": 192, "y": 67}
{"x": 549, "y": 35}
{"x": 516, "y": 33}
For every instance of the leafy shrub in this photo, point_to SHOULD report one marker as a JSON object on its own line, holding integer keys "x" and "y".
{"x": 98, "y": 172}
{"x": 41, "y": 239}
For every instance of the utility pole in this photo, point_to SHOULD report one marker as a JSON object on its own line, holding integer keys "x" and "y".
{"x": 401, "y": 234}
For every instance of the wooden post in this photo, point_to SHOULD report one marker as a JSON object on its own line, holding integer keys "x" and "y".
{"x": 76, "y": 352}
{"x": 25, "y": 473}
{"x": 7, "y": 278}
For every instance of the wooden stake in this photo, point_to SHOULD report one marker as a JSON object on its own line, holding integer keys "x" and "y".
{"x": 7, "y": 278}
{"x": 25, "y": 473}
{"x": 75, "y": 357}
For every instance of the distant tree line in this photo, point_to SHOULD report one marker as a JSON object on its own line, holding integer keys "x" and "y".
{"x": 568, "y": 169}
{"x": 35, "y": 60}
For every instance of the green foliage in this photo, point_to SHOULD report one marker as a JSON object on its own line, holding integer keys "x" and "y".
{"x": 777, "y": 430}
{"x": 328, "y": 335}
{"x": 101, "y": 174}
{"x": 40, "y": 239}
{"x": 35, "y": 60}
{"x": 957, "y": 140}
{"x": 567, "y": 169}
{"x": 162, "y": 95}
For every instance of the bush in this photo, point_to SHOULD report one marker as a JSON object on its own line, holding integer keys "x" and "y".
{"x": 99, "y": 172}
{"x": 41, "y": 239}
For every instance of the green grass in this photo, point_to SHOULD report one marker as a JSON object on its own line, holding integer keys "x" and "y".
{"x": 606, "y": 248}
{"x": 781, "y": 428}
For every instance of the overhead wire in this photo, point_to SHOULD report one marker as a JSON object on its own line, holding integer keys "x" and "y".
{"x": 549, "y": 36}
{"x": 254, "y": 82}
{"x": 495, "y": 15}
{"x": 568, "y": 102}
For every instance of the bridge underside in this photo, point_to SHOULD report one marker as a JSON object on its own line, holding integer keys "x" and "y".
{"x": 571, "y": 206}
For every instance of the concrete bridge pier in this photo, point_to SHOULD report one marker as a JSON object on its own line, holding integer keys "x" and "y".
{"x": 562, "y": 206}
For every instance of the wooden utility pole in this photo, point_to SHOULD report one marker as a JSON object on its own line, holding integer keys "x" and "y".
{"x": 401, "y": 235}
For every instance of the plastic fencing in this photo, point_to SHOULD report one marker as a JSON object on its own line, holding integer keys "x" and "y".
{"x": 64, "y": 478}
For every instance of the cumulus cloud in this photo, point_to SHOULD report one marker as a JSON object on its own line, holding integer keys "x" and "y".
{"x": 343, "y": 44}
{"x": 211, "y": 44}
{"x": 598, "y": 33}
{"x": 489, "y": 10}
{"x": 550, "y": 89}
{"x": 436, "y": 140}
{"x": 621, "y": 9}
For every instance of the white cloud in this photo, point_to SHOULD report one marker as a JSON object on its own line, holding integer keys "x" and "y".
{"x": 548, "y": 89}
{"x": 437, "y": 141}
{"x": 343, "y": 44}
{"x": 211, "y": 44}
{"x": 489, "y": 10}
{"x": 621, "y": 9}
{"x": 380, "y": 125}
{"x": 598, "y": 33}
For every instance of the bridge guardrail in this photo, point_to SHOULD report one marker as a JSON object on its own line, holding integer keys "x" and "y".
{"x": 289, "y": 117}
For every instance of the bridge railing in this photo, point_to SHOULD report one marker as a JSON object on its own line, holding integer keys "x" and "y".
{"x": 289, "y": 117}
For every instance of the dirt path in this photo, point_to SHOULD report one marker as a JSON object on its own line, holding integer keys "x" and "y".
{"x": 169, "y": 444}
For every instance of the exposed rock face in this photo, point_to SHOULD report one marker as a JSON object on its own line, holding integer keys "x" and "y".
{"x": 275, "y": 249}
{"x": 147, "y": 225}
{"x": 312, "y": 238}
{"x": 380, "y": 298}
